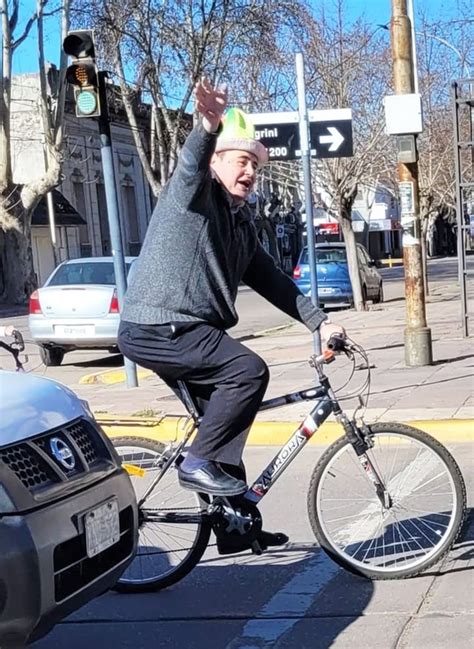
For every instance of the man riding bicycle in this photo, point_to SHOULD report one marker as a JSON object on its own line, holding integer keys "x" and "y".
{"x": 200, "y": 244}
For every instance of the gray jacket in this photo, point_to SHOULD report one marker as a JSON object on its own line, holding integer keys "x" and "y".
{"x": 197, "y": 251}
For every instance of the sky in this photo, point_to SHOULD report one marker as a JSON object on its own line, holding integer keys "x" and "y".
{"x": 376, "y": 11}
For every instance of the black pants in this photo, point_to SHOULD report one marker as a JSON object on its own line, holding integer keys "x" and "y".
{"x": 226, "y": 380}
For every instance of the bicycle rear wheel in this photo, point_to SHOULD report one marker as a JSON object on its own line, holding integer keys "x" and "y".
{"x": 173, "y": 532}
{"x": 420, "y": 525}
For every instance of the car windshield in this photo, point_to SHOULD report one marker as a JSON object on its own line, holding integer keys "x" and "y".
{"x": 101, "y": 272}
{"x": 326, "y": 255}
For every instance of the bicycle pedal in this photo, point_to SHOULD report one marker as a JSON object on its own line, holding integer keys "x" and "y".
{"x": 256, "y": 547}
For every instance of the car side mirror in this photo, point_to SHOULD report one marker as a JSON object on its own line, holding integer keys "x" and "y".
{"x": 373, "y": 263}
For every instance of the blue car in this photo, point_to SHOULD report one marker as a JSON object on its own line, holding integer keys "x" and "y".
{"x": 334, "y": 284}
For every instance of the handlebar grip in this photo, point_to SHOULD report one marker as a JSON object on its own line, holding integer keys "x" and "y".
{"x": 10, "y": 331}
{"x": 18, "y": 337}
{"x": 337, "y": 343}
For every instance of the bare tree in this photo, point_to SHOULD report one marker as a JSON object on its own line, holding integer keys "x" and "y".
{"x": 17, "y": 202}
{"x": 351, "y": 69}
{"x": 444, "y": 53}
{"x": 160, "y": 50}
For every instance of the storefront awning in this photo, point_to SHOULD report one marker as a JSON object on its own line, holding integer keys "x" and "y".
{"x": 65, "y": 213}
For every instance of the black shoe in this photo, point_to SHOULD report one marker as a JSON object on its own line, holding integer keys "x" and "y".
{"x": 210, "y": 479}
{"x": 268, "y": 539}
{"x": 231, "y": 544}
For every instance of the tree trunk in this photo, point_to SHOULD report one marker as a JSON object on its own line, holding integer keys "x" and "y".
{"x": 16, "y": 263}
{"x": 353, "y": 264}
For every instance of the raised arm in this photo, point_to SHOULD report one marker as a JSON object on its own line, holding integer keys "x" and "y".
{"x": 193, "y": 163}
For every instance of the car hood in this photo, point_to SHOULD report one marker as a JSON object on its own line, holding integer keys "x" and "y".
{"x": 31, "y": 405}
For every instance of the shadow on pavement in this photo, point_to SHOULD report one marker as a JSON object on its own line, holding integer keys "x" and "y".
{"x": 463, "y": 550}
{"x": 110, "y": 360}
{"x": 443, "y": 361}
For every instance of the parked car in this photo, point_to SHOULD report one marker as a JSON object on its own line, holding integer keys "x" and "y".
{"x": 77, "y": 308}
{"x": 68, "y": 514}
{"x": 334, "y": 284}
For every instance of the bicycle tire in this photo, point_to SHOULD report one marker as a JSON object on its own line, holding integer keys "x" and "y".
{"x": 145, "y": 573}
{"x": 393, "y": 535}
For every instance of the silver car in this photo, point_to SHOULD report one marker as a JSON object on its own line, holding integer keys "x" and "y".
{"x": 77, "y": 308}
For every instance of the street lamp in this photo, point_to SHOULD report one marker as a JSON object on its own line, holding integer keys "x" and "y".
{"x": 411, "y": 16}
{"x": 462, "y": 59}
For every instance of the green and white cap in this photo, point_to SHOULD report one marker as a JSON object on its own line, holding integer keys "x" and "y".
{"x": 238, "y": 134}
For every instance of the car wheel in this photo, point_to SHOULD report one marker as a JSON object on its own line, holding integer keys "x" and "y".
{"x": 379, "y": 298}
{"x": 51, "y": 356}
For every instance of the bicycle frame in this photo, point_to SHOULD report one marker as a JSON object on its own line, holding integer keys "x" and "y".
{"x": 318, "y": 415}
{"x": 326, "y": 404}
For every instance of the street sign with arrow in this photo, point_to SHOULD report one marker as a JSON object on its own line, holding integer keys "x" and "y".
{"x": 330, "y": 130}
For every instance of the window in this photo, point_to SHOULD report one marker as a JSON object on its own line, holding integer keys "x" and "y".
{"x": 134, "y": 244}
{"x": 326, "y": 255}
{"x": 80, "y": 201}
{"x": 103, "y": 220}
{"x": 85, "y": 273}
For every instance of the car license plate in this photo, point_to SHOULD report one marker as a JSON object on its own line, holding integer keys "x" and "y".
{"x": 102, "y": 528}
{"x": 85, "y": 330}
{"x": 325, "y": 291}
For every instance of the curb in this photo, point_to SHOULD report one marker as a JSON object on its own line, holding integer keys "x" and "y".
{"x": 110, "y": 377}
{"x": 390, "y": 262}
{"x": 269, "y": 433}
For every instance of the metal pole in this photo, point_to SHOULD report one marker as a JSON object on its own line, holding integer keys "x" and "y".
{"x": 308, "y": 194}
{"x": 113, "y": 214}
{"x": 52, "y": 225}
{"x": 460, "y": 214}
{"x": 418, "y": 346}
{"x": 411, "y": 16}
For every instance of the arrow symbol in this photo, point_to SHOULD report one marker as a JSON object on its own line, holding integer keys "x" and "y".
{"x": 335, "y": 139}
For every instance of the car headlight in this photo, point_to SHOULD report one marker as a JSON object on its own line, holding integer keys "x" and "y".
{"x": 87, "y": 408}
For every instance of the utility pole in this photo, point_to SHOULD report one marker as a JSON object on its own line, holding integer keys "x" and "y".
{"x": 418, "y": 346}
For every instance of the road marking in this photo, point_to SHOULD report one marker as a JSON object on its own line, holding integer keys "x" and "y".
{"x": 288, "y": 606}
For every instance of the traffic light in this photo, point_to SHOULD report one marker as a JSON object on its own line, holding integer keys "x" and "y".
{"x": 83, "y": 73}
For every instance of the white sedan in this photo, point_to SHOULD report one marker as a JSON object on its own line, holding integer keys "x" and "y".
{"x": 77, "y": 308}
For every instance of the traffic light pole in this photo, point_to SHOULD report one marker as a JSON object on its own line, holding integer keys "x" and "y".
{"x": 418, "y": 346}
{"x": 113, "y": 214}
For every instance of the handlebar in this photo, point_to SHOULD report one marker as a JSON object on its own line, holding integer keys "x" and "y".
{"x": 337, "y": 343}
{"x": 18, "y": 343}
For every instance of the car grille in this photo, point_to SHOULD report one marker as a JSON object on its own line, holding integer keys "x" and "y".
{"x": 35, "y": 465}
{"x": 28, "y": 466}
{"x": 73, "y": 569}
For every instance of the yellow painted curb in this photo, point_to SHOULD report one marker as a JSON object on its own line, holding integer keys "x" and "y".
{"x": 268, "y": 433}
{"x": 109, "y": 377}
{"x": 390, "y": 262}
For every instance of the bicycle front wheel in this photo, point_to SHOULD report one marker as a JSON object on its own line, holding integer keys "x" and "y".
{"x": 404, "y": 536}
{"x": 173, "y": 529}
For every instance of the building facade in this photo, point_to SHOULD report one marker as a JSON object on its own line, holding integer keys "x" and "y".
{"x": 82, "y": 184}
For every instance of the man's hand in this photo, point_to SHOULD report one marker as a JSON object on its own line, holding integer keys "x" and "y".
{"x": 327, "y": 329}
{"x": 210, "y": 103}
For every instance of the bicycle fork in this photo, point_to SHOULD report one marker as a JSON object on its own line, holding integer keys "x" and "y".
{"x": 360, "y": 441}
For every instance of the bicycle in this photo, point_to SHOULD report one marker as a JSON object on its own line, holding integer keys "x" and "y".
{"x": 386, "y": 501}
{"x": 14, "y": 348}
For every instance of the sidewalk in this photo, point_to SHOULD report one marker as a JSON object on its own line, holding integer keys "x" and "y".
{"x": 438, "y": 398}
